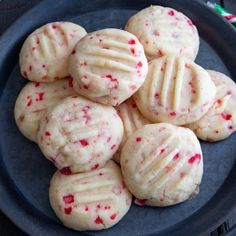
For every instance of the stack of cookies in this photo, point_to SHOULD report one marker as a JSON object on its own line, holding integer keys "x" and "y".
{"x": 135, "y": 96}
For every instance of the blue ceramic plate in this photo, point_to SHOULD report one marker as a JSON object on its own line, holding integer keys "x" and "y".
{"x": 25, "y": 173}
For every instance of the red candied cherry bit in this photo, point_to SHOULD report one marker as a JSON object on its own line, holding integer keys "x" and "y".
{"x": 138, "y": 139}
{"x": 172, "y": 113}
{"x": 84, "y": 142}
{"x": 86, "y": 208}
{"x": 171, "y": 13}
{"x": 176, "y": 156}
{"x": 139, "y": 64}
{"x": 195, "y": 158}
{"x": 40, "y": 96}
{"x": 70, "y": 81}
{"x": 29, "y": 103}
{"x": 68, "y": 199}
{"x": 113, "y": 146}
{"x": 219, "y": 101}
{"x": 73, "y": 52}
{"x": 140, "y": 202}
{"x": 95, "y": 167}
{"x": 132, "y": 50}
{"x": 190, "y": 23}
{"x": 25, "y": 74}
{"x": 68, "y": 210}
{"x": 30, "y": 68}
{"x": 66, "y": 171}
{"x": 113, "y": 216}
{"x": 36, "y": 84}
{"x": 230, "y": 127}
{"x": 98, "y": 220}
{"x": 47, "y": 133}
{"x": 226, "y": 116}
{"x": 131, "y": 41}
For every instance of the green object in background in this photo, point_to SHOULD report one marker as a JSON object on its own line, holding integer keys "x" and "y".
{"x": 228, "y": 16}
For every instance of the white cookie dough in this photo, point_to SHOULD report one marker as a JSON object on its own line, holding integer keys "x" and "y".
{"x": 108, "y": 66}
{"x": 34, "y": 100}
{"x": 132, "y": 120}
{"x": 220, "y": 120}
{"x": 176, "y": 91}
{"x": 162, "y": 164}
{"x": 163, "y": 30}
{"x": 79, "y": 135}
{"x": 90, "y": 201}
{"x": 44, "y": 54}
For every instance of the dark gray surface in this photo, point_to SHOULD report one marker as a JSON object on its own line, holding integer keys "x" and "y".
{"x": 20, "y": 173}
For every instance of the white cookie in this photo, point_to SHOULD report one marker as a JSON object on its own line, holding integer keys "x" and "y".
{"x": 163, "y": 30}
{"x": 220, "y": 120}
{"x": 90, "y": 201}
{"x": 34, "y": 100}
{"x": 79, "y": 135}
{"x": 162, "y": 164}
{"x": 44, "y": 54}
{"x": 108, "y": 66}
{"x": 176, "y": 91}
{"x": 132, "y": 120}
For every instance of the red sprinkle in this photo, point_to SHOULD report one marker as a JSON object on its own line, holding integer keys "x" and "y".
{"x": 173, "y": 113}
{"x": 138, "y": 139}
{"x": 95, "y": 167}
{"x": 70, "y": 81}
{"x": 85, "y": 86}
{"x": 67, "y": 210}
{"x": 196, "y": 157}
{"x": 43, "y": 66}
{"x": 113, "y": 146}
{"x": 230, "y": 127}
{"x": 98, "y": 220}
{"x": 112, "y": 217}
{"x": 25, "y": 74}
{"x": 171, "y": 13}
{"x": 159, "y": 53}
{"x": 40, "y": 96}
{"x": 37, "y": 41}
{"x": 219, "y": 101}
{"x": 84, "y": 142}
{"x": 30, "y": 68}
{"x": 140, "y": 64}
{"x": 189, "y": 22}
{"x": 100, "y": 174}
{"x": 66, "y": 171}
{"x": 226, "y": 116}
{"x": 68, "y": 199}
{"x": 156, "y": 95}
{"x": 162, "y": 150}
{"x": 54, "y": 26}
{"x": 140, "y": 202}
{"x": 47, "y": 133}
{"x": 132, "y": 51}
{"x": 33, "y": 48}
{"x": 176, "y": 156}
{"x": 36, "y": 84}
{"x": 131, "y": 41}
{"x": 86, "y": 208}
{"x": 73, "y": 52}
{"x": 187, "y": 65}
{"x": 29, "y": 103}
{"x": 107, "y": 207}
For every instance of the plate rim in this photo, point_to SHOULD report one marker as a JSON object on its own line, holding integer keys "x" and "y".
{"x": 25, "y": 211}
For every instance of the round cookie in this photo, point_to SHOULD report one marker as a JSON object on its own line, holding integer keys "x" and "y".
{"x": 162, "y": 164}
{"x": 176, "y": 91}
{"x": 132, "y": 120}
{"x": 108, "y": 66}
{"x": 79, "y": 135}
{"x": 90, "y": 201}
{"x": 220, "y": 120}
{"x": 163, "y": 30}
{"x": 44, "y": 54}
{"x": 33, "y": 101}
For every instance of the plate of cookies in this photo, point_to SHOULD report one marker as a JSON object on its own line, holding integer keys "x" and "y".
{"x": 118, "y": 118}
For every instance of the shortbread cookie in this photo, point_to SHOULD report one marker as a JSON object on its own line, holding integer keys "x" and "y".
{"x": 90, "y": 201}
{"x": 44, "y": 54}
{"x": 108, "y": 66}
{"x": 79, "y": 135}
{"x": 33, "y": 101}
{"x": 176, "y": 91}
{"x": 220, "y": 120}
{"x": 132, "y": 120}
{"x": 162, "y": 164}
{"x": 163, "y": 30}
